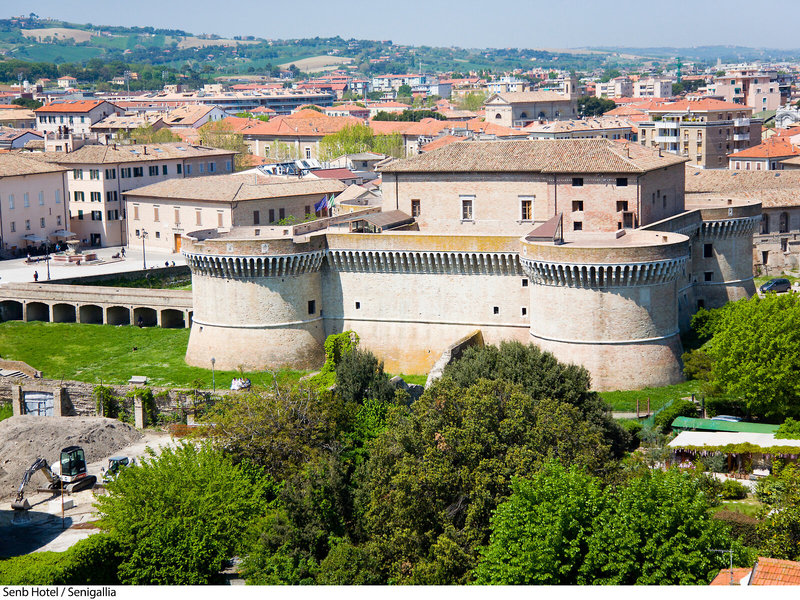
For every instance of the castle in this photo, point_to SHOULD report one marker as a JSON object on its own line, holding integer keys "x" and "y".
{"x": 584, "y": 247}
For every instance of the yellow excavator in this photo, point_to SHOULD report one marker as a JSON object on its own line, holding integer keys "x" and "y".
{"x": 70, "y": 475}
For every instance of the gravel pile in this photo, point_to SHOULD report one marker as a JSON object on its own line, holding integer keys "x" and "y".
{"x": 24, "y": 439}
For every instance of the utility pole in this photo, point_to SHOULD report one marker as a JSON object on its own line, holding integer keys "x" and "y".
{"x": 730, "y": 553}
{"x": 143, "y": 235}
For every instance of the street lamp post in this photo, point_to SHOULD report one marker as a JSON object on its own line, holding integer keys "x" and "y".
{"x": 143, "y": 235}
{"x": 213, "y": 379}
{"x": 47, "y": 259}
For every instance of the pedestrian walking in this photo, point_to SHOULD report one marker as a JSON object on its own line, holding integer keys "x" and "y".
{"x": 122, "y": 251}
{"x": 36, "y": 275}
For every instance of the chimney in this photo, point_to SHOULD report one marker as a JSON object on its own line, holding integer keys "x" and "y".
{"x": 145, "y": 149}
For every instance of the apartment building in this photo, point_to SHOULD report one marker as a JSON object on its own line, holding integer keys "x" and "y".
{"x": 73, "y": 116}
{"x": 706, "y": 131}
{"x": 162, "y": 212}
{"x": 751, "y": 86}
{"x": 33, "y": 203}
{"x": 520, "y": 109}
{"x": 99, "y": 175}
{"x": 389, "y": 83}
{"x": 619, "y": 87}
{"x": 653, "y": 87}
{"x": 767, "y": 156}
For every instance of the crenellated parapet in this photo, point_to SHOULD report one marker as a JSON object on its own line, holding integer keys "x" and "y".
{"x": 452, "y": 263}
{"x": 603, "y": 275}
{"x": 281, "y": 265}
{"x": 725, "y": 228}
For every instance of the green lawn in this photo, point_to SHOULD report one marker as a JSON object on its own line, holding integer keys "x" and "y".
{"x": 626, "y": 401}
{"x": 749, "y": 506}
{"x": 5, "y": 411}
{"x": 104, "y": 353}
{"x": 762, "y": 279}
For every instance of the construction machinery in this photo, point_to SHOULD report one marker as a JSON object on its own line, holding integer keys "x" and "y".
{"x": 115, "y": 465}
{"x": 68, "y": 475}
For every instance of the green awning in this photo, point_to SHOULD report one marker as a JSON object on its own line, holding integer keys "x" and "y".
{"x": 684, "y": 423}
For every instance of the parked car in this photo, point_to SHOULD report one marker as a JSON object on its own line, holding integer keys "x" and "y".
{"x": 776, "y": 285}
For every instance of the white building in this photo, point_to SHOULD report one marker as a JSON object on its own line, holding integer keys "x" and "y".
{"x": 73, "y": 116}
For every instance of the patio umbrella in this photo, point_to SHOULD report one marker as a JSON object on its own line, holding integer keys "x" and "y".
{"x": 32, "y": 237}
{"x": 63, "y": 233}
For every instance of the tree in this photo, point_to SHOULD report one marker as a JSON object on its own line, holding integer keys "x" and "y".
{"x": 657, "y": 530}
{"x": 353, "y": 139}
{"x": 442, "y": 466}
{"x": 27, "y": 103}
{"x": 147, "y": 135}
{"x": 220, "y": 134}
{"x": 178, "y": 516}
{"x": 592, "y": 106}
{"x": 472, "y": 101}
{"x": 540, "y": 535}
{"x": 779, "y": 528}
{"x": 610, "y": 74}
{"x": 404, "y": 91}
{"x": 755, "y": 349}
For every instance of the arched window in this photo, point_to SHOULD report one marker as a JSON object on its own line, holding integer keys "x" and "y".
{"x": 542, "y": 116}
{"x": 498, "y": 116}
{"x": 523, "y": 115}
{"x": 783, "y": 224}
{"x": 764, "y": 223}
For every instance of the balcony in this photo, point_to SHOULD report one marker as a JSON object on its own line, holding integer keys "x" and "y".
{"x": 668, "y": 125}
{"x": 741, "y": 122}
{"x": 741, "y": 137}
{"x": 666, "y": 138}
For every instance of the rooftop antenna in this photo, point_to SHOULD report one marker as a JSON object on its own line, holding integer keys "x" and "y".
{"x": 729, "y": 553}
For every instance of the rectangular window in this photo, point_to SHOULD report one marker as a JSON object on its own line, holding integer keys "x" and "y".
{"x": 708, "y": 250}
{"x": 229, "y": 165}
{"x": 155, "y": 213}
{"x": 219, "y": 219}
{"x": 415, "y": 207}
{"x": 27, "y": 224}
{"x": 212, "y": 167}
{"x": 256, "y": 218}
{"x": 201, "y": 168}
{"x": 496, "y": 310}
{"x": 111, "y": 173}
{"x": 78, "y": 196}
{"x": 41, "y": 222}
{"x": 41, "y": 198}
{"x": 524, "y": 311}
{"x": 97, "y": 215}
{"x": 308, "y": 152}
{"x": 577, "y": 226}
{"x": 58, "y": 220}
{"x": 622, "y": 205}
{"x": 312, "y": 307}
{"x": 80, "y": 215}
{"x": 177, "y": 215}
{"x": 577, "y": 182}
{"x": 179, "y": 168}
{"x": 281, "y": 214}
{"x": 164, "y": 170}
{"x": 466, "y": 208}
{"x": 152, "y": 170}
{"x": 198, "y": 216}
{"x": 96, "y": 197}
{"x": 13, "y": 226}
{"x": 26, "y": 201}
{"x": 158, "y": 234}
{"x": 11, "y": 201}
{"x": 526, "y": 208}
{"x": 622, "y": 182}
{"x": 188, "y": 169}
{"x": 708, "y": 276}
{"x": 307, "y": 209}
{"x": 138, "y": 171}
{"x": 271, "y": 215}
{"x": 577, "y": 205}
{"x": 125, "y": 173}
{"x": 94, "y": 173}
{"x": 58, "y": 196}
{"x": 77, "y": 173}
{"x": 524, "y": 282}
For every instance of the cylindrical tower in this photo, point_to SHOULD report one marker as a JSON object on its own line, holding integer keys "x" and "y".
{"x": 257, "y": 302}
{"x": 609, "y": 303}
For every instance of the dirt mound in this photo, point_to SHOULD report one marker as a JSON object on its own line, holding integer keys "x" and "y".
{"x": 24, "y": 439}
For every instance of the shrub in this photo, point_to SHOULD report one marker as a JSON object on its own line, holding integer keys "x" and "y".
{"x": 633, "y": 427}
{"x": 743, "y": 527}
{"x": 789, "y": 430}
{"x": 678, "y": 408}
{"x": 733, "y": 490}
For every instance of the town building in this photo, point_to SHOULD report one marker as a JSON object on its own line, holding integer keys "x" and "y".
{"x": 612, "y": 128}
{"x": 619, "y": 87}
{"x": 749, "y": 85}
{"x": 17, "y": 118}
{"x": 584, "y": 247}
{"x": 520, "y": 109}
{"x": 99, "y": 175}
{"x": 160, "y": 213}
{"x": 653, "y": 87}
{"x": 193, "y": 116}
{"x": 73, "y": 116}
{"x": 767, "y": 156}
{"x": 17, "y": 138}
{"x": 705, "y": 131}
{"x": 115, "y": 127}
{"x": 33, "y": 202}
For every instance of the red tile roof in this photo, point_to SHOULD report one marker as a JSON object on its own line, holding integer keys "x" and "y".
{"x": 306, "y": 122}
{"x": 439, "y": 142}
{"x": 726, "y": 577}
{"x": 771, "y": 571}
{"x": 71, "y": 106}
{"x": 389, "y": 127}
{"x": 705, "y": 104}
{"x": 773, "y": 147}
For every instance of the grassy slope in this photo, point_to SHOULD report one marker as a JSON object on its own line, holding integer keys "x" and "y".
{"x": 626, "y": 401}
{"x": 96, "y": 353}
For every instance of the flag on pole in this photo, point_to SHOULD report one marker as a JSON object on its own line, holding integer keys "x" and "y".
{"x": 331, "y": 203}
{"x": 322, "y": 204}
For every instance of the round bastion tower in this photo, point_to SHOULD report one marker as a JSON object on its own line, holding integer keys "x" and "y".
{"x": 257, "y": 301}
{"x": 609, "y": 302}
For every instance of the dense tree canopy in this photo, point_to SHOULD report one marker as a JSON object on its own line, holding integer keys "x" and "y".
{"x": 353, "y": 139}
{"x": 592, "y": 106}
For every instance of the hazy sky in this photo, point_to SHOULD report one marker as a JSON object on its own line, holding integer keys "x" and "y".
{"x": 466, "y": 23}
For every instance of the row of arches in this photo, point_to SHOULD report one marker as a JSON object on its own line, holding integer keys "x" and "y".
{"x": 169, "y": 318}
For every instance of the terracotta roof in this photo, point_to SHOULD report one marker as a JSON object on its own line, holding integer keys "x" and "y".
{"x": 598, "y": 123}
{"x": 544, "y": 156}
{"x": 387, "y": 127}
{"x": 728, "y": 577}
{"x": 12, "y": 165}
{"x": 774, "y": 189}
{"x": 427, "y": 127}
{"x": 133, "y": 153}
{"x": 188, "y": 114}
{"x": 236, "y": 187}
{"x": 440, "y": 142}
{"x": 334, "y": 174}
{"x": 70, "y": 106}
{"x": 705, "y": 104}
{"x": 16, "y": 115}
{"x": 772, "y": 148}
{"x": 302, "y": 123}
{"x": 514, "y": 97}
{"x": 771, "y": 571}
